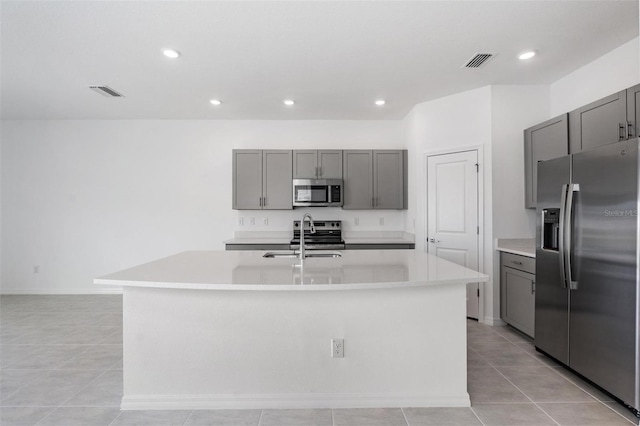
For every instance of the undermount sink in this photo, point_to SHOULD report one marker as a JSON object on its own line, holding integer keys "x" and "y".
{"x": 325, "y": 254}
{"x": 273, "y": 254}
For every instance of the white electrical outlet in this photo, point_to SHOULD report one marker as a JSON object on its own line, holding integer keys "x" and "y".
{"x": 337, "y": 348}
{"x": 252, "y": 221}
{"x": 241, "y": 221}
{"x": 265, "y": 221}
{"x": 356, "y": 221}
{"x": 381, "y": 220}
{"x": 36, "y": 269}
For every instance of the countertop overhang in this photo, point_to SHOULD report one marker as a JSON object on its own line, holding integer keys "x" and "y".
{"x": 248, "y": 270}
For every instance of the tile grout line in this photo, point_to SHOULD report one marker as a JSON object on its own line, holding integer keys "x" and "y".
{"x": 520, "y": 390}
{"x": 477, "y": 417}
{"x": 188, "y": 417}
{"x": 596, "y": 400}
{"x": 405, "y": 416}
{"x": 83, "y": 388}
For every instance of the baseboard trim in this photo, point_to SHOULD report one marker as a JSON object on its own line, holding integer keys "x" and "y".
{"x": 284, "y": 401}
{"x": 20, "y": 291}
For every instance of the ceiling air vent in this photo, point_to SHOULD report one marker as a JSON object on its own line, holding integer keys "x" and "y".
{"x": 478, "y": 60}
{"x": 106, "y": 91}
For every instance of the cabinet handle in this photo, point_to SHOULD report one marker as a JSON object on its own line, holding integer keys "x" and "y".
{"x": 517, "y": 262}
{"x": 319, "y": 172}
{"x": 260, "y": 201}
{"x": 264, "y": 201}
{"x": 629, "y": 130}
{"x": 533, "y": 287}
{"x": 621, "y": 131}
{"x": 373, "y": 201}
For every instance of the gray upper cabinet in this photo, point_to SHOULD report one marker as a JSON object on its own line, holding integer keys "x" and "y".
{"x": 358, "y": 180}
{"x": 599, "y": 123}
{"x": 389, "y": 179}
{"x": 375, "y": 179}
{"x": 313, "y": 164}
{"x": 276, "y": 180}
{"x": 262, "y": 179}
{"x": 633, "y": 112}
{"x": 543, "y": 142}
{"x": 247, "y": 179}
{"x": 330, "y": 164}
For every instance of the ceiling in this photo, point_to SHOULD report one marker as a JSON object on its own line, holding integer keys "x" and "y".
{"x": 333, "y": 57}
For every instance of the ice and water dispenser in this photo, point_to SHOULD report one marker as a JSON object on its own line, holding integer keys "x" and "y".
{"x": 550, "y": 229}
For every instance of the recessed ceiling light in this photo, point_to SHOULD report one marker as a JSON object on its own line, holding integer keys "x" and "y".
{"x": 527, "y": 55}
{"x": 380, "y": 102}
{"x": 289, "y": 102}
{"x": 215, "y": 102}
{"x": 170, "y": 53}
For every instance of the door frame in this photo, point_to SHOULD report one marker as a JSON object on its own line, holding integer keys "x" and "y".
{"x": 481, "y": 206}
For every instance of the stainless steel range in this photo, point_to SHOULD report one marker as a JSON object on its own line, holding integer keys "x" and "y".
{"x": 328, "y": 235}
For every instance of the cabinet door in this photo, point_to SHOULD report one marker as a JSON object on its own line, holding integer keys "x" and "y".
{"x": 542, "y": 142}
{"x": 633, "y": 111}
{"x": 305, "y": 164}
{"x": 358, "y": 179}
{"x": 600, "y": 123}
{"x": 330, "y": 164}
{"x": 276, "y": 180}
{"x": 247, "y": 179}
{"x": 388, "y": 179}
{"x": 519, "y": 299}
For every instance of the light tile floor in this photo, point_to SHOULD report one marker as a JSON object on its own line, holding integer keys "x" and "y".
{"x": 61, "y": 364}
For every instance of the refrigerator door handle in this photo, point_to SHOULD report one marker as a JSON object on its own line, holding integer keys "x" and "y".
{"x": 572, "y": 189}
{"x": 561, "y": 235}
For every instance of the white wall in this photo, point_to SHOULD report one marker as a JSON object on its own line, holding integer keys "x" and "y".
{"x": 455, "y": 122}
{"x": 513, "y": 109}
{"x": 82, "y": 199}
{"x": 608, "y": 74}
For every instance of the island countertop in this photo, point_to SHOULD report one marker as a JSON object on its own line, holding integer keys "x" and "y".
{"x": 248, "y": 270}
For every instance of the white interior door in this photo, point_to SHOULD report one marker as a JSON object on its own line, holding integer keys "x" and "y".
{"x": 452, "y": 214}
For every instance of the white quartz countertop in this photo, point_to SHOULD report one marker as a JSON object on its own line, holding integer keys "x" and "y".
{"x": 248, "y": 270}
{"x": 522, "y": 247}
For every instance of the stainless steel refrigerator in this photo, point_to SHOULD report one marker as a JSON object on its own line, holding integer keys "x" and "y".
{"x": 587, "y": 269}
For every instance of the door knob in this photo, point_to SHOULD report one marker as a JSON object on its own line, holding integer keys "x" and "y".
{"x": 433, "y": 240}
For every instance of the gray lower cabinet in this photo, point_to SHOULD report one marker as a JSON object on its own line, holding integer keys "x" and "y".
{"x": 517, "y": 292}
{"x": 599, "y": 123}
{"x": 262, "y": 180}
{"x": 543, "y": 142}
{"x": 317, "y": 164}
{"x": 375, "y": 179}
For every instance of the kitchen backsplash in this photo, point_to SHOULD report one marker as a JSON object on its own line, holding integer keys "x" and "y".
{"x": 352, "y": 220}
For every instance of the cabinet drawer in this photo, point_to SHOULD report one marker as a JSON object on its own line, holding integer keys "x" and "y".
{"x": 523, "y": 263}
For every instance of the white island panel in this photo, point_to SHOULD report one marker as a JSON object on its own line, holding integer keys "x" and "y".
{"x": 192, "y": 343}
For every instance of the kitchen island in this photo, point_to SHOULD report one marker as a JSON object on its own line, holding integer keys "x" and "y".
{"x": 215, "y": 329}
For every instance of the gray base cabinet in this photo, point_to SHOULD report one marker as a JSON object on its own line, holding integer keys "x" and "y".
{"x": 542, "y": 142}
{"x": 262, "y": 180}
{"x": 375, "y": 179}
{"x": 317, "y": 164}
{"x": 517, "y": 292}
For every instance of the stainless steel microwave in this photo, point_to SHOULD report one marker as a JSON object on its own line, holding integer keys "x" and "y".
{"x": 317, "y": 192}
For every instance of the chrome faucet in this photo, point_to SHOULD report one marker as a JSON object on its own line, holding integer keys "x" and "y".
{"x": 312, "y": 230}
